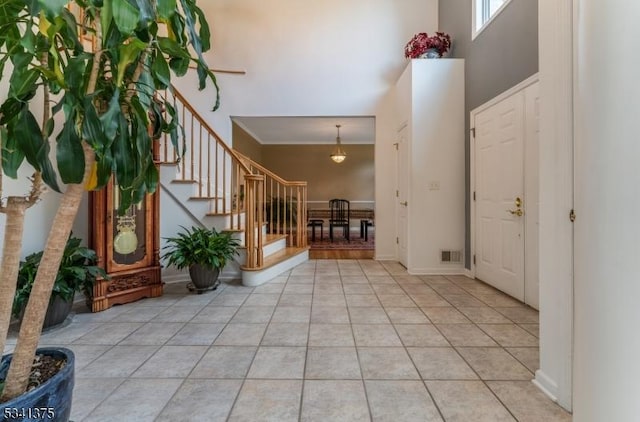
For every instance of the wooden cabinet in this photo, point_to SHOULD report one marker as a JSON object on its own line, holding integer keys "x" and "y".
{"x": 127, "y": 247}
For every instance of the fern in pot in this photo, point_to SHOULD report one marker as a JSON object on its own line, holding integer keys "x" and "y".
{"x": 204, "y": 251}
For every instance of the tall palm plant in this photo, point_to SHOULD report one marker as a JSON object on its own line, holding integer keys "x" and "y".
{"x": 106, "y": 96}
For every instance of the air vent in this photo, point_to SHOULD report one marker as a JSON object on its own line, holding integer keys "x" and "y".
{"x": 450, "y": 256}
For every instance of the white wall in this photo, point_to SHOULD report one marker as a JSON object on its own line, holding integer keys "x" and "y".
{"x": 326, "y": 58}
{"x": 556, "y": 200}
{"x": 431, "y": 102}
{"x": 607, "y": 202}
{"x": 39, "y": 217}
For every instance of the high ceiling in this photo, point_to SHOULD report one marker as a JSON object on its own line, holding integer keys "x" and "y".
{"x": 309, "y": 130}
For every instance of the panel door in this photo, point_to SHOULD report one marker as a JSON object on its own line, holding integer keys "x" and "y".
{"x": 500, "y": 202}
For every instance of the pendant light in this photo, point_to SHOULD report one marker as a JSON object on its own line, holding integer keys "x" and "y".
{"x": 338, "y": 155}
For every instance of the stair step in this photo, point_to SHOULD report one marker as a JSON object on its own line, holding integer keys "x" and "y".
{"x": 166, "y": 163}
{"x": 203, "y": 198}
{"x": 232, "y": 231}
{"x": 267, "y": 239}
{"x": 218, "y": 214}
{"x": 277, "y": 258}
{"x": 272, "y": 238}
{"x": 184, "y": 181}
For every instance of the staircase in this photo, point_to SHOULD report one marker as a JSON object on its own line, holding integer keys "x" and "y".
{"x": 217, "y": 187}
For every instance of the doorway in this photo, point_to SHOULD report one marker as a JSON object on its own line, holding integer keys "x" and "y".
{"x": 504, "y": 153}
{"x": 402, "y": 190}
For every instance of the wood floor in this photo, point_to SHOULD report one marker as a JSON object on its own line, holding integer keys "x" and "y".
{"x": 341, "y": 254}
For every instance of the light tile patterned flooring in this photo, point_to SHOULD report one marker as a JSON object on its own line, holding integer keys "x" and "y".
{"x": 331, "y": 340}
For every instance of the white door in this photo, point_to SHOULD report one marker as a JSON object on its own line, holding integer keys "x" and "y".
{"x": 402, "y": 189}
{"x": 500, "y": 202}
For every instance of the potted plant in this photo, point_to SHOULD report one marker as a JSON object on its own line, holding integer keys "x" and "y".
{"x": 424, "y": 46}
{"x": 204, "y": 251}
{"x": 77, "y": 273}
{"x": 107, "y": 63}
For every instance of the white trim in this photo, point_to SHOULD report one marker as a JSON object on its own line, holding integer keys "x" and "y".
{"x": 469, "y": 273}
{"x": 437, "y": 271}
{"x": 506, "y": 94}
{"x": 477, "y": 31}
{"x": 256, "y": 278}
{"x": 472, "y": 155}
{"x": 557, "y": 51}
{"x": 386, "y": 258}
{"x": 472, "y": 189}
{"x": 546, "y": 385}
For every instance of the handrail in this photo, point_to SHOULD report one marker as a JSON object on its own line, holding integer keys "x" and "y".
{"x": 250, "y": 198}
{"x": 268, "y": 172}
{"x": 206, "y": 126}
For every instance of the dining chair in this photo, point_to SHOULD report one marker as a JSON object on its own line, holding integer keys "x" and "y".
{"x": 339, "y": 217}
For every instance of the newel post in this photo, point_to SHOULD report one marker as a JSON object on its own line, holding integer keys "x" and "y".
{"x": 253, "y": 220}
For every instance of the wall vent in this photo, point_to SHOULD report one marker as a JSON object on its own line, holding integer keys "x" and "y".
{"x": 450, "y": 256}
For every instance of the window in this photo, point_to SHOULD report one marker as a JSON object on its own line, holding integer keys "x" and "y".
{"x": 484, "y": 11}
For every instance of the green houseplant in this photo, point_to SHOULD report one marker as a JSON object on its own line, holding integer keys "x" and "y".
{"x": 204, "y": 251}
{"x": 100, "y": 67}
{"x": 77, "y": 273}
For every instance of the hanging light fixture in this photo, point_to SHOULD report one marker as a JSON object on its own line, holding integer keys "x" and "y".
{"x": 338, "y": 155}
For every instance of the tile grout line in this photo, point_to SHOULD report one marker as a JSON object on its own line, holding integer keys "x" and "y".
{"x": 244, "y": 380}
{"x": 484, "y": 382}
{"x": 306, "y": 355}
{"x": 355, "y": 346}
{"x": 184, "y": 379}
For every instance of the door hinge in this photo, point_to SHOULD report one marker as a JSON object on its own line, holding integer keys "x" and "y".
{"x": 474, "y": 195}
{"x": 396, "y": 145}
{"x": 474, "y": 259}
{"x": 473, "y": 132}
{"x": 572, "y": 216}
{"x": 397, "y": 241}
{"x": 397, "y": 193}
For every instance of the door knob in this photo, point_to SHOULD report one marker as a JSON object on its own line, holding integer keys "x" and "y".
{"x": 405, "y": 203}
{"x": 517, "y": 212}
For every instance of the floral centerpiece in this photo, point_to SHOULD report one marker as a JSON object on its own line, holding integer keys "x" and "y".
{"x": 422, "y": 45}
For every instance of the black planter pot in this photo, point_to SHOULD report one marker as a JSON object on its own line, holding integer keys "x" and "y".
{"x": 49, "y": 402}
{"x": 204, "y": 278}
{"x": 57, "y": 311}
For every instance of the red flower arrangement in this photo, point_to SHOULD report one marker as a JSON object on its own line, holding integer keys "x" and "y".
{"x": 422, "y": 42}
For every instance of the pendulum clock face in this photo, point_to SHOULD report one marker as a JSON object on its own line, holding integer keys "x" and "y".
{"x": 129, "y": 240}
{"x": 129, "y": 233}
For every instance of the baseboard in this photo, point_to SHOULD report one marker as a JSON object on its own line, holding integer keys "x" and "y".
{"x": 385, "y": 258}
{"x": 256, "y": 278}
{"x": 436, "y": 271}
{"x": 546, "y": 385}
{"x": 469, "y": 273}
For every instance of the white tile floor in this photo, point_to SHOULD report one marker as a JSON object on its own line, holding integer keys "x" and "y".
{"x": 332, "y": 340}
